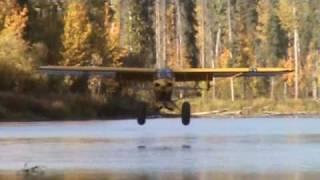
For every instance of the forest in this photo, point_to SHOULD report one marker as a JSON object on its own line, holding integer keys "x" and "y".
{"x": 156, "y": 33}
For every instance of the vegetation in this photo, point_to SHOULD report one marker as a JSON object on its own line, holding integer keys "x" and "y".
{"x": 63, "y": 107}
{"x": 258, "y": 107}
{"x": 155, "y": 33}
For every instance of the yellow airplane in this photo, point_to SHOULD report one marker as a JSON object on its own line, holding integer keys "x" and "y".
{"x": 163, "y": 80}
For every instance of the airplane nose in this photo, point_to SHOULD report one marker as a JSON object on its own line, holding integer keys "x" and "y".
{"x": 157, "y": 85}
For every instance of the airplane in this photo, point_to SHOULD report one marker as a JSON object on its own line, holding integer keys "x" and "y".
{"x": 163, "y": 80}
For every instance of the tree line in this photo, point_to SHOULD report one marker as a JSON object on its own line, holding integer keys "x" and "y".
{"x": 159, "y": 33}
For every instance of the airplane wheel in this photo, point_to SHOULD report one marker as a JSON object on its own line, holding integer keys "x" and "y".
{"x": 142, "y": 111}
{"x": 186, "y": 113}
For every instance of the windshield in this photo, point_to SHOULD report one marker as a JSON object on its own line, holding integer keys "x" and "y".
{"x": 165, "y": 74}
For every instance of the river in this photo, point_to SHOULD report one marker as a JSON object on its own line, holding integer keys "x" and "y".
{"x": 210, "y": 147}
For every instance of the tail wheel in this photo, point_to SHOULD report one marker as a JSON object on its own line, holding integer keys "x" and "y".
{"x": 186, "y": 113}
{"x": 141, "y": 115}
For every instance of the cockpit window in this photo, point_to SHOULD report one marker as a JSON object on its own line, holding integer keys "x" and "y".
{"x": 165, "y": 74}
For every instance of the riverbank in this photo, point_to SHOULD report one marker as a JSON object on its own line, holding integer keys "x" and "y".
{"x": 88, "y": 175}
{"x": 19, "y": 107}
{"x": 26, "y": 107}
{"x": 257, "y": 107}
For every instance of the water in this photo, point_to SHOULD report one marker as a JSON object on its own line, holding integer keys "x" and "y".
{"x": 164, "y": 146}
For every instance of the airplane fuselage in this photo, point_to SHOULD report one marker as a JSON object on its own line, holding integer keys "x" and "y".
{"x": 163, "y": 88}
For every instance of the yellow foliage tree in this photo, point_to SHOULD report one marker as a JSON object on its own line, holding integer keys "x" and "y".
{"x": 224, "y": 58}
{"x": 6, "y": 7}
{"x": 3, "y": 11}
{"x": 310, "y": 69}
{"x": 222, "y": 85}
{"x": 285, "y": 12}
{"x": 288, "y": 78}
{"x": 112, "y": 36}
{"x": 16, "y": 61}
{"x": 200, "y": 36}
{"x": 15, "y": 21}
{"x": 13, "y": 48}
{"x": 264, "y": 13}
{"x": 77, "y": 34}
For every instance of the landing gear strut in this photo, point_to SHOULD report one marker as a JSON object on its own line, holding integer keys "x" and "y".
{"x": 141, "y": 113}
{"x": 186, "y": 113}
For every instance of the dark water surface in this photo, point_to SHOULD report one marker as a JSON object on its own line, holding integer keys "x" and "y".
{"x": 264, "y": 148}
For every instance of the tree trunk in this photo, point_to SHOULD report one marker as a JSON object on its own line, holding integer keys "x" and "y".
{"x": 229, "y": 22}
{"x": 163, "y": 33}
{"x": 314, "y": 89}
{"x": 285, "y": 90}
{"x": 230, "y": 43}
{"x": 160, "y": 33}
{"x": 123, "y": 14}
{"x": 202, "y": 29}
{"x": 271, "y": 87}
{"x": 179, "y": 34}
{"x": 315, "y": 79}
{"x": 214, "y": 60}
{"x": 157, "y": 31}
{"x": 217, "y": 49}
{"x": 296, "y": 61}
{"x": 296, "y": 64}
{"x": 232, "y": 89}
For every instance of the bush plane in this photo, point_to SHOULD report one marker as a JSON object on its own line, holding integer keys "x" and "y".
{"x": 163, "y": 80}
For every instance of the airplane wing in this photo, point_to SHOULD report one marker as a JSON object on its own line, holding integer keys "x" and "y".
{"x": 125, "y": 74}
{"x": 206, "y": 74}
{"x": 150, "y": 74}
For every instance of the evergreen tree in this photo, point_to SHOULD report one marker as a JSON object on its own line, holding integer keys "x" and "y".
{"x": 96, "y": 13}
{"x": 189, "y": 8}
{"x": 45, "y": 26}
{"x": 271, "y": 42}
{"x": 246, "y": 20}
{"x": 141, "y": 33}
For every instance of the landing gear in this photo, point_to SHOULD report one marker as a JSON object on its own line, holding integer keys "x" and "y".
{"x": 141, "y": 115}
{"x": 186, "y": 113}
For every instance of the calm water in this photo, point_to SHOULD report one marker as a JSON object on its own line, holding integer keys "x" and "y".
{"x": 163, "y": 146}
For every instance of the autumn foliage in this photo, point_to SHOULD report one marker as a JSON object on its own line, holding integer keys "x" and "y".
{"x": 77, "y": 33}
{"x": 114, "y": 52}
{"x": 199, "y": 33}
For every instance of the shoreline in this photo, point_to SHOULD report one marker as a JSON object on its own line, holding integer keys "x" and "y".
{"x": 198, "y": 115}
{"x": 29, "y": 108}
